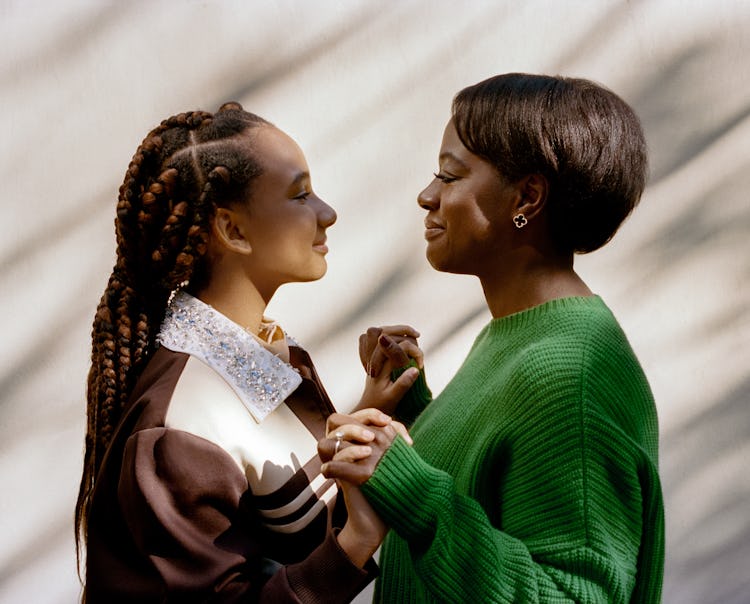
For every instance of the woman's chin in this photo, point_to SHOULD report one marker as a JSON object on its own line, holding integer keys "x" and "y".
{"x": 437, "y": 261}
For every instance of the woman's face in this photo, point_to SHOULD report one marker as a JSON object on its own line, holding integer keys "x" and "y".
{"x": 469, "y": 211}
{"x": 284, "y": 221}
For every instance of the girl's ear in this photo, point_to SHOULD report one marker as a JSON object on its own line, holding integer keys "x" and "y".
{"x": 228, "y": 231}
{"x": 533, "y": 189}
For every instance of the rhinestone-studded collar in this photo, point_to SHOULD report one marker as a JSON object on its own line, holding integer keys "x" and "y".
{"x": 261, "y": 380}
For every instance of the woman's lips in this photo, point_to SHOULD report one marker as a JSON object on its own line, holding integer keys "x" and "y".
{"x": 432, "y": 230}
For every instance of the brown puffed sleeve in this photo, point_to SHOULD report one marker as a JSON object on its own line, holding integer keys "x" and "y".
{"x": 181, "y": 497}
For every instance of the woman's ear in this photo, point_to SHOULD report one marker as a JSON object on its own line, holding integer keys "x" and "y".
{"x": 533, "y": 189}
{"x": 227, "y": 227}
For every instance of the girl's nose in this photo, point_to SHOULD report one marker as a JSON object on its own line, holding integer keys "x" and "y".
{"x": 326, "y": 214}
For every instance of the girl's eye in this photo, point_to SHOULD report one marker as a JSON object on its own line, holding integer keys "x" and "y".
{"x": 445, "y": 178}
{"x": 302, "y": 196}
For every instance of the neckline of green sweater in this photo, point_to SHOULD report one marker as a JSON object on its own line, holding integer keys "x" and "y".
{"x": 524, "y": 318}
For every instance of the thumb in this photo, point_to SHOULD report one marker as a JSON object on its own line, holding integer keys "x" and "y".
{"x": 404, "y": 382}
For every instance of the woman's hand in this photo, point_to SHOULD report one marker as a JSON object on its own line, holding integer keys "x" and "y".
{"x": 374, "y": 355}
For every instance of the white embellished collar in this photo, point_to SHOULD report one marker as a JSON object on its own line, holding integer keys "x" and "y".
{"x": 261, "y": 380}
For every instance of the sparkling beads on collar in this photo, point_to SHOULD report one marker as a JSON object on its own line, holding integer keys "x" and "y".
{"x": 261, "y": 380}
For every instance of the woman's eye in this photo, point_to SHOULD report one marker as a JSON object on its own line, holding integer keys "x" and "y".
{"x": 445, "y": 178}
{"x": 302, "y": 196}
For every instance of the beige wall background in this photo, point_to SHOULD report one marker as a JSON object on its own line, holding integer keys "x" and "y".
{"x": 365, "y": 88}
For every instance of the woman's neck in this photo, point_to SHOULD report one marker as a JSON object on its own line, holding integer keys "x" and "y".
{"x": 529, "y": 282}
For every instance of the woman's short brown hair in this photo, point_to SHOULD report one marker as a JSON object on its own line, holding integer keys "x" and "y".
{"x": 584, "y": 139}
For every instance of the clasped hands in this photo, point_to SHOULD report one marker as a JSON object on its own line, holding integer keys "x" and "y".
{"x": 355, "y": 443}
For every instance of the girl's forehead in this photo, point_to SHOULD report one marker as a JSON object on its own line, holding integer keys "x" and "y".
{"x": 276, "y": 147}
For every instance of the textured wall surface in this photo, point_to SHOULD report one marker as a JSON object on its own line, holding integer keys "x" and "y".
{"x": 365, "y": 87}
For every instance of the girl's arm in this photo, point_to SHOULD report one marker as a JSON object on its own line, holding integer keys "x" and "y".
{"x": 183, "y": 499}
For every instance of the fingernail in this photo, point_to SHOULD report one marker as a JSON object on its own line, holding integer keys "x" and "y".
{"x": 368, "y": 434}
{"x": 324, "y": 468}
{"x": 413, "y": 373}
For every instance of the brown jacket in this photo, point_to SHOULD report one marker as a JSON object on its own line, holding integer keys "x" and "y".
{"x": 197, "y": 501}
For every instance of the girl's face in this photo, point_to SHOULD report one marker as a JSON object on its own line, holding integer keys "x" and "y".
{"x": 469, "y": 218}
{"x": 284, "y": 221}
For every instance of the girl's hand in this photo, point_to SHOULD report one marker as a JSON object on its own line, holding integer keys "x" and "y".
{"x": 349, "y": 440}
{"x": 364, "y": 531}
{"x": 380, "y": 391}
{"x": 348, "y": 437}
{"x": 351, "y": 451}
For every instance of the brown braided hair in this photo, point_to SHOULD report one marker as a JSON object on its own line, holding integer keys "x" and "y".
{"x": 183, "y": 170}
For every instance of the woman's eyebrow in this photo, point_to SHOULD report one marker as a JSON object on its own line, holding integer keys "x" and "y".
{"x": 448, "y": 155}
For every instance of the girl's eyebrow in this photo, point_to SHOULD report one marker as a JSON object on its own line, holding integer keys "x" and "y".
{"x": 300, "y": 177}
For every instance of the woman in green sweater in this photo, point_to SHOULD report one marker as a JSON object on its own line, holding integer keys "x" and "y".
{"x": 533, "y": 475}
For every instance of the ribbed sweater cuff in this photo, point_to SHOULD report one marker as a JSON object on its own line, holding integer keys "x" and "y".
{"x": 404, "y": 488}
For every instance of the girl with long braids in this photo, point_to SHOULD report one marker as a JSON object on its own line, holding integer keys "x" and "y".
{"x": 201, "y": 480}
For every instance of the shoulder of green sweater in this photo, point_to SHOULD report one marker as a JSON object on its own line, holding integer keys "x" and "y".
{"x": 558, "y": 331}
{"x": 565, "y": 332}
{"x": 569, "y": 311}
{"x": 570, "y": 358}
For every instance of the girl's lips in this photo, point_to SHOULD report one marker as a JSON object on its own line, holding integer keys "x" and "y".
{"x": 321, "y": 247}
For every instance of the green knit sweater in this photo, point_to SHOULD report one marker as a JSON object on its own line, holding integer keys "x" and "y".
{"x": 533, "y": 476}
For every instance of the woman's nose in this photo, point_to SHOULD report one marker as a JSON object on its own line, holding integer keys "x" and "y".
{"x": 429, "y": 198}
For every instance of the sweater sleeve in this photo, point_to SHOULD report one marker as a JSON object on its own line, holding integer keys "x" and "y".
{"x": 454, "y": 548}
{"x": 182, "y": 498}
{"x": 577, "y": 541}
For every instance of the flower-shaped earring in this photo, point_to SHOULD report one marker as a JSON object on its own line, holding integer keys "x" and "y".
{"x": 520, "y": 220}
